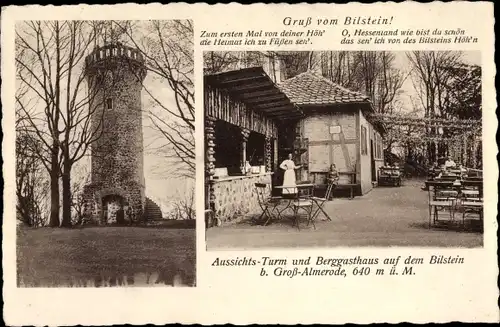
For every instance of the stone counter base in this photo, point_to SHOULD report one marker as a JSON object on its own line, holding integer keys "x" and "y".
{"x": 237, "y": 197}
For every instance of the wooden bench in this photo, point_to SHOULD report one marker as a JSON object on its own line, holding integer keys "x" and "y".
{"x": 343, "y": 184}
{"x": 350, "y": 185}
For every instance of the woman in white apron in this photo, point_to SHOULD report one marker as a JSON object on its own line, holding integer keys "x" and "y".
{"x": 289, "y": 178}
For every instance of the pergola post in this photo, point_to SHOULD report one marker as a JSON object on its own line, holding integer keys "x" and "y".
{"x": 275, "y": 154}
{"x": 245, "y": 133}
{"x": 210, "y": 159}
{"x": 268, "y": 153}
{"x": 474, "y": 151}
{"x": 436, "y": 150}
{"x": 465, "y": 158}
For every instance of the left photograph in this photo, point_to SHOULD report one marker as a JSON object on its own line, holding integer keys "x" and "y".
{"x": 105, "y": 153}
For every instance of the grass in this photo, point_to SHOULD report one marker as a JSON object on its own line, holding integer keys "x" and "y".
{"x": 105, "y": 256}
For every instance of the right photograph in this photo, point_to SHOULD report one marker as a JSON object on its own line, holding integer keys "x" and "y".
{"x": 343, "y": 149}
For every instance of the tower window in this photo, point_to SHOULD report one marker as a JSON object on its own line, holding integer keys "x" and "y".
{"x": 109, "y": 104}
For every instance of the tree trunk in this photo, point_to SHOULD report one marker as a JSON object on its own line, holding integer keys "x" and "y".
{"x": 66, "y": 184}
{"x": 54, "y": 189}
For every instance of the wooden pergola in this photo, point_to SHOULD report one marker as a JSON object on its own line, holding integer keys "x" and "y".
{"x": 462, "y": 134}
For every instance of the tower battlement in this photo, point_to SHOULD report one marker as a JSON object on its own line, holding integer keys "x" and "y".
{"x": 115, "y": 53}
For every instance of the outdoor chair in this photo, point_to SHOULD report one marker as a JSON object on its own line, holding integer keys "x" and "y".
{"x": 209, "y": 218}
{"x": 321, "y": 201}
{"x": 475, "y": 207}
{"x": 473, "y": 178}
{"x": 448, "y": 177}
{"x": 304, "y": 201}
{"x": 267, "y": 202}
{"x": 472, "y": 199}
{"x": 441, "y": 198}
{"x": 472, "y": 190}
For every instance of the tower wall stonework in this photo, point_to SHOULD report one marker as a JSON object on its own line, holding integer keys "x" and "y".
{"x": 114, "y": 75}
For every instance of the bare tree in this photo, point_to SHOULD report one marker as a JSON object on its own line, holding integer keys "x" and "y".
{"x": 340, "y": 67}
{"x": 167, "y": 47}
{"x": 31, "y": 183}
{"x": 78, "y": 181}
{"x": 33, "y": 55}
{"x": 51, "y": 65}
{"x": 370, "y": 72}
{"x": 430, "y": 78}
{"x": 222, "y": 61}
{"x": 297, "y": 62}
{"x": 463, "y": 93}
{"x": 183, "y": 209}
{"x": 391, "y": 81}
{"x": 219, "y": 61}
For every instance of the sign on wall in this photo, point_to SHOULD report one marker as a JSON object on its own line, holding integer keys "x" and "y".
{"x": 335, "y": 129}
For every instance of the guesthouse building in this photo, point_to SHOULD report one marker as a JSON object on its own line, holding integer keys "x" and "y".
{"x": 253, "y": 121}
{"x": 336, "y": 129}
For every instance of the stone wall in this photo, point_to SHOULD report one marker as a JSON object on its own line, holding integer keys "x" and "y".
{"x": 237, "y": 196}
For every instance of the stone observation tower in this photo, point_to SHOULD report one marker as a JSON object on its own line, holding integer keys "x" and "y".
{"x": 115, "y": 73}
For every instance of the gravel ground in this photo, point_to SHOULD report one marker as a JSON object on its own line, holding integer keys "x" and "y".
{"x": 386, "y": 216}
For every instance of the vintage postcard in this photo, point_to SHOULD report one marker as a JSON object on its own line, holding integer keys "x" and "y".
{"x": 249, "y": 164}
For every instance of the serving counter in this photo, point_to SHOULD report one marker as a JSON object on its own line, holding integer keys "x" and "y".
{"x": 235, "y": 196}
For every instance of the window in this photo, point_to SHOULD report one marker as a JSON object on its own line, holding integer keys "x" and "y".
{"x": 364, "y": 146}
{"x": 255, "y": 149}
{"x": 109, "y": 104}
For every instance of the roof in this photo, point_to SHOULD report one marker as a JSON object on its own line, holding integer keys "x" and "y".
{"x": 257, "y": 91}
{"x": 311, "y": 89}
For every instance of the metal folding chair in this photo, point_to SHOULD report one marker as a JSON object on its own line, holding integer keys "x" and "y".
{"x": 321, "y": 201}
{"x": 305, "y": 203}
{"x": 267, "y": 203}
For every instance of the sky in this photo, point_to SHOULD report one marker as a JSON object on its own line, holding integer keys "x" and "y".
{"x": 161, "y": 185}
